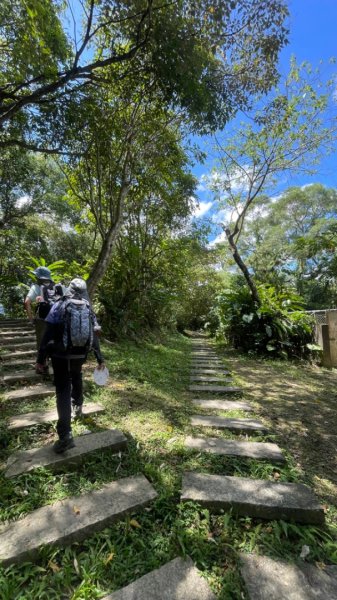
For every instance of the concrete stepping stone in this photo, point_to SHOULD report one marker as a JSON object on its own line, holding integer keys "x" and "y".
{"x": 24, "y": 337}
{"x": 15, "y": 322}
{"x": 48, "y": 416}
{"x": 204, "y": 353}
{"x": 256, "y": 498}
{"x": 223, "y": 404}
{"x": 23, "y": 362}
{"x": 209, "y": 379}
{"x": 30, "y": 392}
{"x": 257, "y": 450}
{"x": 225, "y": 389}
{"x": 177, "y": 580}
{"x": 18, "y": 345}
{"x": 223, "y": 423}
{"x": 269, "y": 579}
{"x": 213, "y": 371}
{"x": 10, "y": 334}
{"x": 18, "y": 354}
{"x": 20, "y": 376}
{"x": 73, "y": 519}
{"x": 207, "y": 361}
{"x": 28, "y": 460}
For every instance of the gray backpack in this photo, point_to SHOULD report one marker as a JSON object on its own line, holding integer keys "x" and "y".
{"x": 78, "y": 332}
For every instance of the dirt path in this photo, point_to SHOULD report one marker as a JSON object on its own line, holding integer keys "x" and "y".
{"x": 299, "y": 402}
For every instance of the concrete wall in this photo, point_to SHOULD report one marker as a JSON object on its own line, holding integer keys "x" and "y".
{"x": 326, "y": 335}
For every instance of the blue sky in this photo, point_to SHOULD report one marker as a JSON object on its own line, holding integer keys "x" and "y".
{"x": 312, "y": 38}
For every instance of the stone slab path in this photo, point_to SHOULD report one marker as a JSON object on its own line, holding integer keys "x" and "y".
{"x": 256, "y": 450}
{"x": 18, "y": 354}
{"x": 22, "y": 362}
{"x": 73, "y": 519}
{"x": 30, "y": 392}
{"x": 222, "y": 404}
{"x": 215, "y": 388}
{"x": 20, "y": 377}
{"x": 48, "y": 416}
{"x": 213, "y": 371}
{"x": 24, "y": 338}
{"x": 268, "y": 579}
{"x": 224, "y": 423}
{"x": 17, "y": 345}
{"x": 177, "y": 580}
{"x": 256, "y": 498}
{"x": 28, "y": 460}
{"x": 209, "y": 379}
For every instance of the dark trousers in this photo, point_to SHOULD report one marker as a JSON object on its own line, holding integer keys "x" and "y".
{"x": 68, "y": 383}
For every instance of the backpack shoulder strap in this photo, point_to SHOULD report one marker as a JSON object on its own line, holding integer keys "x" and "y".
{"x": 44, "y": 293}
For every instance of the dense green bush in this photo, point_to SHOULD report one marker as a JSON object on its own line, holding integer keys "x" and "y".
{"x": 278, "y": 327}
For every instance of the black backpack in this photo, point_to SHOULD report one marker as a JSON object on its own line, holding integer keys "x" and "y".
{"x": 51, "y": 293}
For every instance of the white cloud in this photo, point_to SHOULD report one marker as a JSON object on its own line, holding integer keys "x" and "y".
{"x": 200, "y": 208}
{"x": 23, "y": 201}
{"x": 219, "y": 239}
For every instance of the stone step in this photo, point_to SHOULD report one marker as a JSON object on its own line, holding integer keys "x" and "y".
{"x": 223, "y": 404}
{"x": 18, "y": 344}
{"x": 48, "y": 416}
{"x": 73, "y": 519}
{"x": 257, "y": 450}
{"x": 23, "y": 362}
{"x": 269, "y": 579}
{"x": 25, "y": 337}
{"x": 204, "y": 354}
{"x": 212, "y": 362}
{"x": 177, "y": 580}
{"x": 28, "y": 460}
{"x": 9, "y": 322}
{"x": 253, "y": 497}
{"x": 30, "y": 392}
{"x": 209, "y": 379}
{"x": 10, "y": 333}
{"x": 215, "y": 388}
{"x": 18, "y": 354}
{"x": 213, "y": 371}
{"x": 20, "y": 376}
{"x": 223, "y": 423}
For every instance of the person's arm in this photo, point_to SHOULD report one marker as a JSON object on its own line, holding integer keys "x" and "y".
{"x": 97, "y": 351}
{"x": 30, "y": 298}
{"x": 29, "y": 310}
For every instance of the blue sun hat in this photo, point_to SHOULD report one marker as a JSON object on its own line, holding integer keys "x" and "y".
{"x": 42, "y": 273}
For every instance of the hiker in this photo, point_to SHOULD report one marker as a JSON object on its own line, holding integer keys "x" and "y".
{"x": 72, "y": 331}
{"x": 44, "y": 293}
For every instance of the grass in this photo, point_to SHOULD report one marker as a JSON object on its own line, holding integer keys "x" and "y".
{"x": 147, "y": 399}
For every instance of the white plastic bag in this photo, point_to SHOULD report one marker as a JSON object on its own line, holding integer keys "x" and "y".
{"x": 101, "y": 376}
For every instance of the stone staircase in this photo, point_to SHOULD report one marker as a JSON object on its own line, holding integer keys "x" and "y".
{"x": 57, "y": 524}
{"x": 76, "y": 518}
{"x": 265, "y": 579}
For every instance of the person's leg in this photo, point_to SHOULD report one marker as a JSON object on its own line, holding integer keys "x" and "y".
{"x": 40, "y": 328}
{"x": 77, "y": 386}
{"x": 62, "y": 379}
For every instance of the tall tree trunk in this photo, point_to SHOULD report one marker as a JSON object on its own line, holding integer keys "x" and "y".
{"x": 243, "y": 268}
{"x": 102, "y": 263}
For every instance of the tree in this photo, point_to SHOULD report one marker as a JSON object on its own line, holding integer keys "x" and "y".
{"x": 28, "y": 184}
{"x": 292, "y": 240}
{"x": 204, "y": 57}
{"x": 285, "y": 136}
